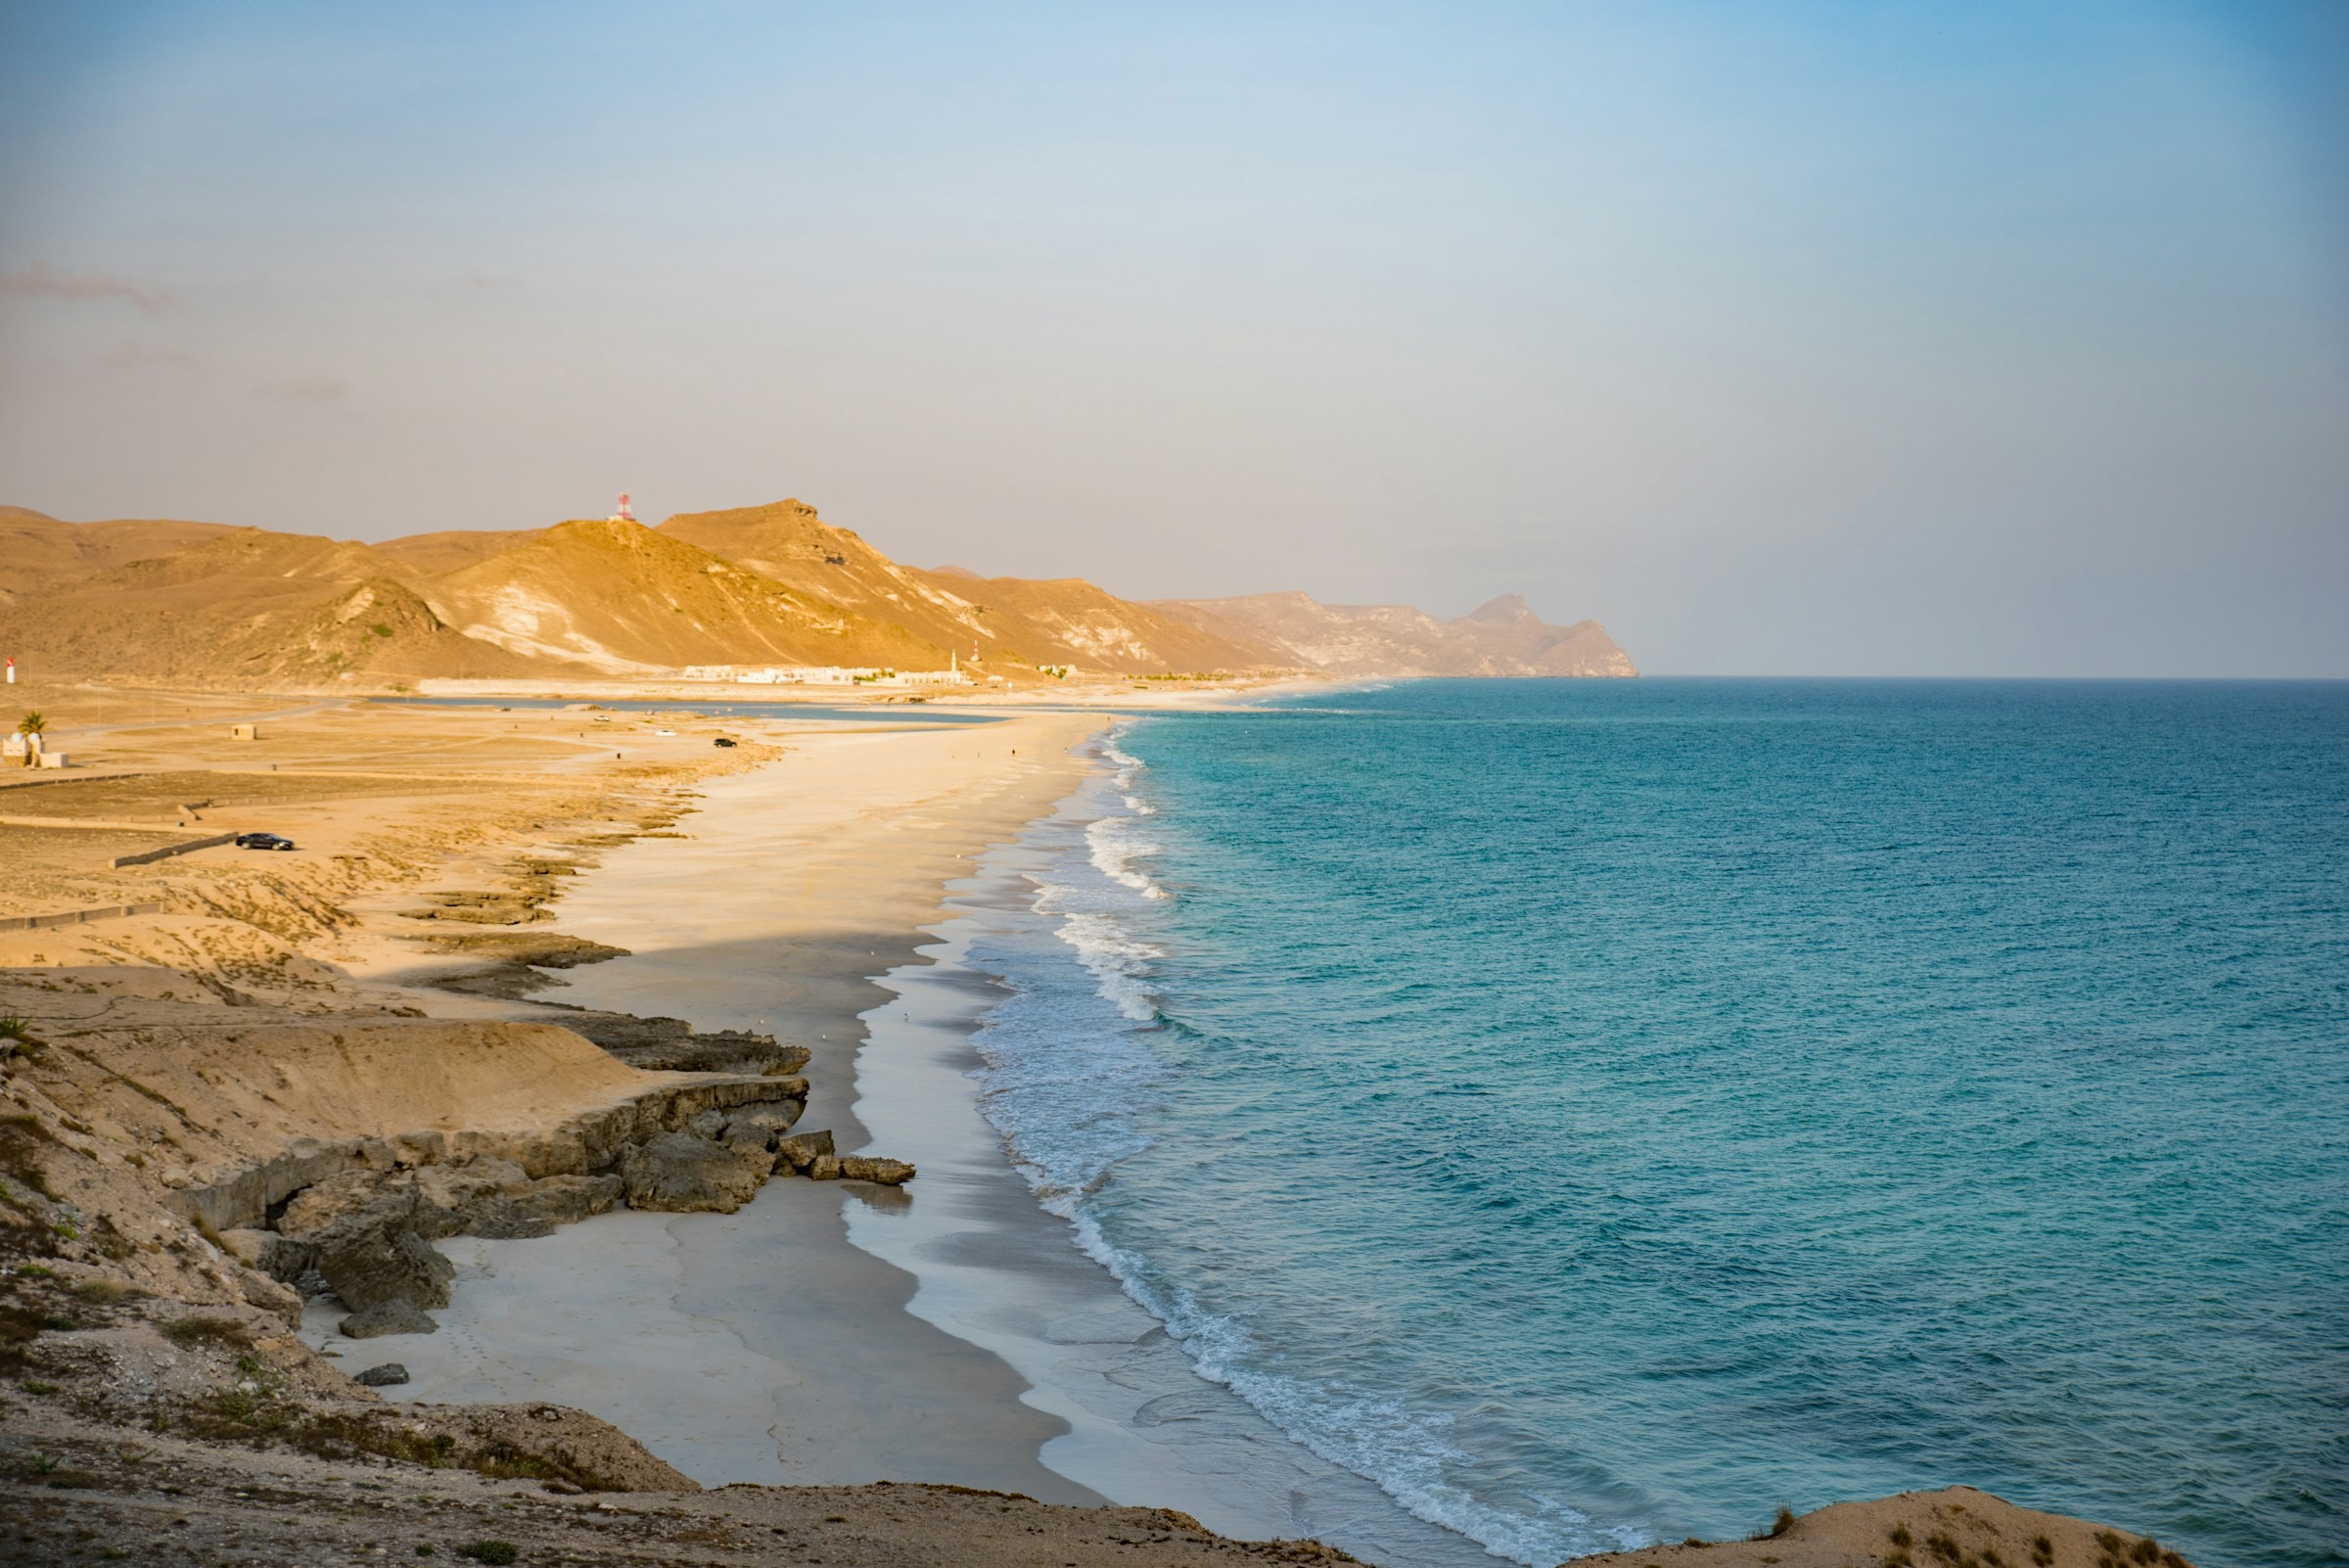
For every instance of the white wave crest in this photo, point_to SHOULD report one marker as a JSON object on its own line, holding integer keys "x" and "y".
{"x": 1115, "y": 844}
{"x": 1406, "y": 1454}
{"x": 1119, "y": 961}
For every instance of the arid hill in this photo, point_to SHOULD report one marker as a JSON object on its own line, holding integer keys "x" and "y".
{"x": 236, "y": 605}
{"x": 436, "y": 555}
{"x": 37, "y": 550}
{"x": 1502, "y": 638}
{"x": 630, "y": 600}
{"x": 1068, "y": 621}
{"x": 1002, "y": 624}
{"x": 772, "y": 584}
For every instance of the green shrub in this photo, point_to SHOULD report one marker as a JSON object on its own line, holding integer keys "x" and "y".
{"x": 492, "y": 1552}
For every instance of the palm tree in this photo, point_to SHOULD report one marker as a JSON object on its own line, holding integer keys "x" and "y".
{"x": 31, "y": 724}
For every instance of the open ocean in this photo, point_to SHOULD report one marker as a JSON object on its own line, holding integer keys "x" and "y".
{"x": 1601, "y": 1112}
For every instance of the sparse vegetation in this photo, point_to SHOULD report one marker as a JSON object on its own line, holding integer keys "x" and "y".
{"x": 207, "y": 1329}
{"x": 20, "y": 1139}
{"x": 489, "y": 1551}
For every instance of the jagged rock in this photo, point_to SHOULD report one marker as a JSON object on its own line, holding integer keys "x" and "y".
{"x": 562, "y": 1200}
{"x": 504, "y": 1221}
{"x": 539, "y": 950}
{"x": 351, "y": 1205}
{"x": 797, "y": 1151}
{"x": 388, "y": 1375}
{"x": 476, "y": 1198}
{"x": 760, "y": 1125}
{"x": 824, "y": 1168}
{"x": 453, "y": 1186}
{"x": 395, "y": 1315}
{"x": 873, "y": 1167}
{"x": 593, "y": 1139}
{"x": 381, "y": 1266}
{"x": 270, "y": 1295}
{"x": 670, "y": 1045}
{"x": 281, "y": 1257}
{"x": 764, "y": 1121}
{"x": 710, "y": 1125}
{"x": 678, "y": 1172}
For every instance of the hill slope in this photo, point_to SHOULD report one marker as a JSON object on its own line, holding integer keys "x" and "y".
{"x": 36, "y": 550}
{"x": 770, "y": 584}
{"x": 242, "y": 604}
{"x": 1068, "y": 621}
{"x": 996, "y": 625}
{"x": 1504, "y": 637}
{"x": 630, "y": 600}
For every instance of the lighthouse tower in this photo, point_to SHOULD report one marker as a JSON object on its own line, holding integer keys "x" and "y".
{"x": 622, "y": 512}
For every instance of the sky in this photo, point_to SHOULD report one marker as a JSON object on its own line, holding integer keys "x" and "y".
{"x": 2000, "y": 338}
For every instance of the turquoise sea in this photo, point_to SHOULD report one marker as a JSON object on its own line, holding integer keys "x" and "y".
{"x": 1601, "y": 1112}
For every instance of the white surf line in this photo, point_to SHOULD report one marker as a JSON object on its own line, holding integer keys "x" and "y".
{"x": 998, "y": 1271}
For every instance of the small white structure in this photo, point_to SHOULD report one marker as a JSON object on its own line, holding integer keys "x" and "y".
{"x": 623, "y": 513}
{"x": 780, "y": 674}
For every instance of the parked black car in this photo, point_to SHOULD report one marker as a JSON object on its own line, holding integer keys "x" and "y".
{"x": 722, "y": 741}
{"x": 262, "y": 841}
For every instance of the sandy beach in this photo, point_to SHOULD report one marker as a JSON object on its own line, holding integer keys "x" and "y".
{"x": 945, "y": 1332}
{"x": 762, "y": 1346}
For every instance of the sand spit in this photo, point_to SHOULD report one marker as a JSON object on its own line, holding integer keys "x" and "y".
{"x": 504, "y": 986}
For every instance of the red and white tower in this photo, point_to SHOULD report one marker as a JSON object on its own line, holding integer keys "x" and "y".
{"x": 623, "y": 514}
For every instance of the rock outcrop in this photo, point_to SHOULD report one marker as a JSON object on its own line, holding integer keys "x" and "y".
{"x": 679, "y": 1172}
{"x": 873, "y": 1167}
{"x": 371, "y": 1268}
{"x": 397, "y": 1316}
{"x": 672, "y": 1046}
{"x": 800, "y": 1151}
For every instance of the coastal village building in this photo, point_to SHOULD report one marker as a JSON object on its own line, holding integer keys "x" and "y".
{"x": 826, "y": 675}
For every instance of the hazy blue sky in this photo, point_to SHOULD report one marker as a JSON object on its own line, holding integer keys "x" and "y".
{"x": 1971, "y": 337}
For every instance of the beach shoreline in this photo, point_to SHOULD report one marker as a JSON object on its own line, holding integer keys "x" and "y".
{"x": 762, "y": 1346}
{"x": 999, "y": 1268}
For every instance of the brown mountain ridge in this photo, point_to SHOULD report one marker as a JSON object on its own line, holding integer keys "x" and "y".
{"x": 746, "y": 587}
